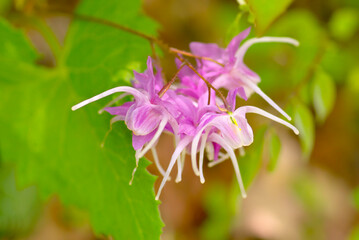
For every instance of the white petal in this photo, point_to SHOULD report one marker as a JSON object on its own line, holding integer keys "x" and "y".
{"x": 243, "y": 49}
{"x": 229, "y": 150}
{"x": 129, "y": 90}
{"x": 112, "y": 102}
{"x": 149, "y": 145}
{"x": 181, "y": 145}
{"x": 157, "y": 162}
{"x": 256, "y": 89}
{"x": 251, "y": 109}
{"x": 201, "y": 153}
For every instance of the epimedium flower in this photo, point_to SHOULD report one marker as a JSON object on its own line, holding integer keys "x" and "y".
{"x": 147, "y": 116}
{"x": 228, "y": 130}
{"x": 194, "y": 111}
{"x": 230, "y": 71}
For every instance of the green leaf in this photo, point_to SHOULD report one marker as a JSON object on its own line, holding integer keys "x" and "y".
{"x": 11, "y": 40}
{"x": 265, "y": 12}
{"x": 275, "y": 146}
{"x": 60, "y": 149}
{"x": 344, "y": 23}
{"x": 323, "y": 94}
{"x": 19, "y": 209}
{"x": 303, "y": 120}
{"x": 250, "y": 163}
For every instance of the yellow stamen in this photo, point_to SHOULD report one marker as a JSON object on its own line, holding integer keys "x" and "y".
{"x": 234, "y": 121}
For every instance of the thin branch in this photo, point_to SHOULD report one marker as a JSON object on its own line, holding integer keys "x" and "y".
{"x": 168, "y": 85}
{"x": 177, "y": 51}
{"x": 209, "y": 85}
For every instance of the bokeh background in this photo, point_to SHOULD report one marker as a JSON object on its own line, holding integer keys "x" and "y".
{"x": 311, "y": 191}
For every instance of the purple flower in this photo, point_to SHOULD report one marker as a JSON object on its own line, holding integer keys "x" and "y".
{"x": 234, "y": 73}
{"x": 147, "y": 116}
{"x": 230, "y": 131}
{"x": 197, "y": 122}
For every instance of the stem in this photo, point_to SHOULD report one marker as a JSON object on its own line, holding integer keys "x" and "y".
{"x": 105, "y": 22}
{"x": 210, "y": 86}
{"x": 161, "y": 44}
{"x": 177, "y": 51}
{"x": 167, "y": 86}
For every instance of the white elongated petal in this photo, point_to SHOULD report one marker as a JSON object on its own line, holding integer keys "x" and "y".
{"x": 112, "y": 102}
{"x": 251, "y": 109}
{"x": 180, "y": 147}
{"x": 218, "y": 139}
{"x": 256, "y": 89}
{"x": 194, "y": 152}
{"x": 129, "y": 90}
{"x": 201, "y": 153}
{"x": 135, "y": 169}
{"x": 182, "y": 160}
{"x": 223, "y": 158}
{"x": 157, "y": 162}
{"x": 179, "y": 165}
{"x": 149, "y": 145}
{"x": 243, "y": 49}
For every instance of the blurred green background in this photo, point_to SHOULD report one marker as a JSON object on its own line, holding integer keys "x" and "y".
{"x": 298, "y": 188}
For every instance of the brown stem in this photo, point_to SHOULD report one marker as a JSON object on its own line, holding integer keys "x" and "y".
{"x": 79, "y": 16}
{"x": 161, "y": 44}
{"x": 168, "y": 85}
{"x": 177, "y": 51}
{"x": 210, "y": 86}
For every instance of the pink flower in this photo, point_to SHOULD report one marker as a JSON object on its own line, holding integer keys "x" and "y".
{"x": 230, "y": 131}
{"x": 234, "y": 73}
{"x": 147, "y": 116}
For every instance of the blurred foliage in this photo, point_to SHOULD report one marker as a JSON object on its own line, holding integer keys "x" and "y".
{"x": 344, "y": 23}
{"x": 250, "y": 163}
{"x": 265, "y": 12}
{"x": 220, "y": 203}
{"x": 323, "y": 94}
{"x": 275, "y": 146}
{"x": 304, "y": 121}
{"x": 19, "y": 209}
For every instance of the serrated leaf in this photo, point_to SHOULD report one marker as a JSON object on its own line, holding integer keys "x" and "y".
{"x": 250, "y": 163}
{"x": 60, "y": 149}
{"x": 265, "y": 12}
{"x": 303, "y": 120}
{"x": 323, "y": 94}
{"x": 275, "y": 146}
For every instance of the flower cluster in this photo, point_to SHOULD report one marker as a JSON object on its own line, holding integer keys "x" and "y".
{"x": 194, "y": 111}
